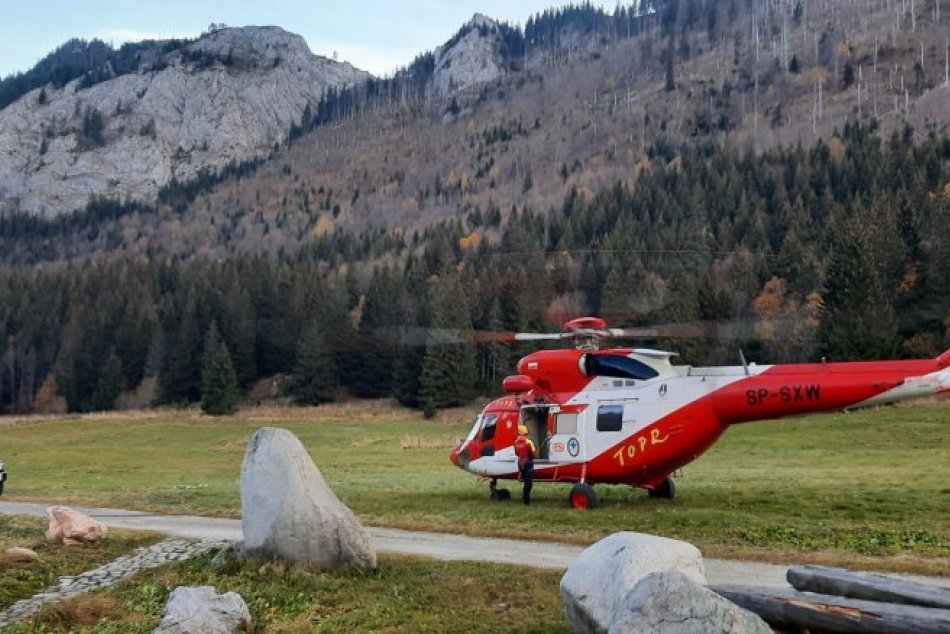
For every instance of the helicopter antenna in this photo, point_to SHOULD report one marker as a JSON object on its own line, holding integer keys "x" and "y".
{"x": 745, "y": 366}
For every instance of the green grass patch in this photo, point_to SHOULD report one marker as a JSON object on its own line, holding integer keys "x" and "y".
{"x": 402, "y": 594}
{"x": 868, "y": 488}
{"x": 23, "y": 580}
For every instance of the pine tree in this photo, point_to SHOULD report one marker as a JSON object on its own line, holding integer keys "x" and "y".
{"x": 134, "y": 335}
{"x": 219, "y": 390}
{"x": 373, "y": 374}
{"x": 315, "y": 376}
{"x": 109, "y": 385}
{"x": 180, "y": 380}
{"x": 496, "y": 355}
{"x": 238, "y": 331}
{"x": 858, "y": 319}
{"x": 448, "y": 370}
{"x": 414, "y": 305}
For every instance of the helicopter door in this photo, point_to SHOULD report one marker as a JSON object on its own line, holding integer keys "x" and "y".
{"x": 566, "y": 443}
{"x": 539, "y": 423}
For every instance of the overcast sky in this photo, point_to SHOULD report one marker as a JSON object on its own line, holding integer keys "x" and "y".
{"x": 373, "y": 35}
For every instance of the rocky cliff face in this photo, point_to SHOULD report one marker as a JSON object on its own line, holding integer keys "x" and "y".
{"x": 471, "y": 57}
{"x": 229, "y": 96}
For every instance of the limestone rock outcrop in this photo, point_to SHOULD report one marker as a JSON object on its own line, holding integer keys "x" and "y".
{"x": 227, "y": 97}
{"x": 71, "y": 527}
{"x": 473, "y": 56}
{"x": 290, "y": 513}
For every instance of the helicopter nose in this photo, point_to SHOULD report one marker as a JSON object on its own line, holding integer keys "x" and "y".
{"x": 460, "y": 456}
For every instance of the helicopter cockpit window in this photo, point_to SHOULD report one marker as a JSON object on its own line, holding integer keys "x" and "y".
{"x": 488, "y": 427}
{"x": 610, "y": 418}
{"x": 617, "y": 365}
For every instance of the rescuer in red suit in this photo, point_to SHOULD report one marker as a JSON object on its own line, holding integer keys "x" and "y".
{"x": 524, "y": 449}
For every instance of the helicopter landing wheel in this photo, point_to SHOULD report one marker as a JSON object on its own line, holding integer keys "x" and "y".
{"x": 666, "y": 491}
{"x": 497, "y": 495}
{"x": 583, "y": 496}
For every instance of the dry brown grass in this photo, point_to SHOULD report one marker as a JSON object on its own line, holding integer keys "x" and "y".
{"x": 421, "y": 442}
{"x": 81, "y": 611}
{"x": 365, "y": 410}
{"x": 116, "y": 415}
{"x": 935, "y": 566}
{"x": 927, "y": 401}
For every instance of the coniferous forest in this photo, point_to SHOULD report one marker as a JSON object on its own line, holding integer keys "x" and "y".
{"x": 836, "y": 250}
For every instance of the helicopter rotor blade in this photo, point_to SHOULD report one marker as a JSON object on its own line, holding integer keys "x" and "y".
{"x": 664, "y": 331}
{"x": 726, "y": 331}
{"x": 729, "y": 331}
{"x": 482, "y": 336}
{"x": 418, "y": 336}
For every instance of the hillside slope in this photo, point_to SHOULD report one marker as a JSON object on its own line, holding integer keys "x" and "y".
{"x": 581, "y": 102}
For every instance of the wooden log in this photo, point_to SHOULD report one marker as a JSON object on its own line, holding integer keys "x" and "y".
{"x": 868, "y": 586}
{"x": 791, "y": 609}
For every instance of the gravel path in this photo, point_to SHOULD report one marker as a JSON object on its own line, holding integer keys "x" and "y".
{"x": 445, "y": 546}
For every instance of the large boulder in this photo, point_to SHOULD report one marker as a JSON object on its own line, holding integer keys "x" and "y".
{"x": 601, "y": 576}
{"x": 289, "y": 512}
{"x": 201, "y": 609}
{"x": 72, "y": 527}
{"x": 672, "y": 603}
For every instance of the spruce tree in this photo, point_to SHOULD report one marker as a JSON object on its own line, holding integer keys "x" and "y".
{"x": 180, "y": 380}
{"x": 109, "y": 385}
{"x": 219, "y": 390}
{"x": 239, "y": 331}
{"x": 373, "y": 375}
{"x": 448, "y": 370}
{"x": 858, "y": 320}
{"x": 315, "y": 376}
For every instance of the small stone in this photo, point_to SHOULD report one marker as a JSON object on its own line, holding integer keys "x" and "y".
{"x": 17, "y": 554}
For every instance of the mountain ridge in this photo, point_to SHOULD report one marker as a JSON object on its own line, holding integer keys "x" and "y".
{"x": 229, "y": 96}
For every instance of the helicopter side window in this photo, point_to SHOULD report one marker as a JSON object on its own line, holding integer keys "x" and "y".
{"x": 617, "y": 365}
{"x": 488, "y": 428}
{"x": 610, "y": 418}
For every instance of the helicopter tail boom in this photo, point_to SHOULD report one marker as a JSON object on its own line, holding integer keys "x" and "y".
{"x": 799, "y": 389}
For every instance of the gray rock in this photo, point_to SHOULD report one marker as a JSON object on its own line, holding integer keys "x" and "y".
{"x": 228, "y": 554}
{"x": 201, "y": 609}
{"x": 672, "y": 603}
{"x": 601, "y": 576}
{"x": 289, "y": 512}
{"x": 473, "y": 58}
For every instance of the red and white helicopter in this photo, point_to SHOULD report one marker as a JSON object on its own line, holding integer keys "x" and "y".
{"x": 629, "y": 416}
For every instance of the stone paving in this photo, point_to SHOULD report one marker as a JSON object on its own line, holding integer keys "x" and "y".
{"x": 160, "y": 554}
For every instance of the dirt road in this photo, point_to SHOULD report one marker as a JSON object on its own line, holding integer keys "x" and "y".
{"x": 443, "y": 546}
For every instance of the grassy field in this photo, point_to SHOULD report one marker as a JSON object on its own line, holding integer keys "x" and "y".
{"x": 868, "y": 489}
